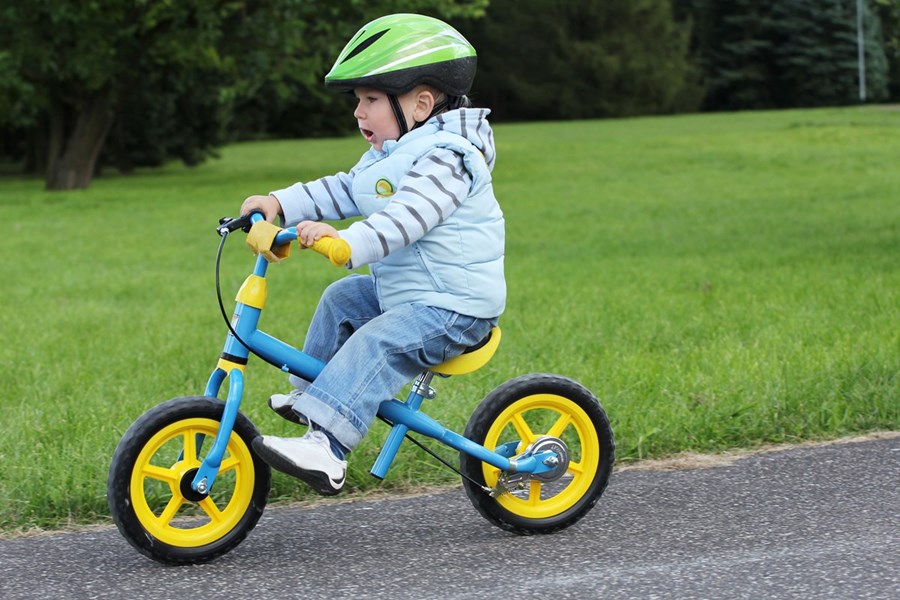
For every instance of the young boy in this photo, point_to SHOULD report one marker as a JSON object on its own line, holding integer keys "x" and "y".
{"x": 432, "y": 233}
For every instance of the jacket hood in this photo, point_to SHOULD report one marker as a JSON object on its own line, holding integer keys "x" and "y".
{"x": 472, "y": 124}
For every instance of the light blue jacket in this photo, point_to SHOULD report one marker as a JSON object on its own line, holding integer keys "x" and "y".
{"x": 457, "y": 263}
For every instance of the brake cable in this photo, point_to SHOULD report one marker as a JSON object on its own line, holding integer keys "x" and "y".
{"x": 224, "y": 234}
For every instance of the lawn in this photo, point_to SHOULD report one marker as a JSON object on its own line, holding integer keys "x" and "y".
{"x": 719, "y": 281}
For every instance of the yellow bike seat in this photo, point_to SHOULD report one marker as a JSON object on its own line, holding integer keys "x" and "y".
{"x": 472, "y": 359}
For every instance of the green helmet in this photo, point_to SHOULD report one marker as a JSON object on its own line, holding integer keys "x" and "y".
{"x": 398, "y": 52}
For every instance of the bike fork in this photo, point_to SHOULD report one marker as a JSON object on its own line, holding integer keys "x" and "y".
{"x": 209, "y": 468}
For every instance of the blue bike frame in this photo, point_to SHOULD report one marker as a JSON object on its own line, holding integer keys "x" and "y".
{"x": 404, "y": 416}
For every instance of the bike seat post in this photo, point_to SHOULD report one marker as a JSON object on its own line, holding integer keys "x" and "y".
{"x": 422, "y": 387}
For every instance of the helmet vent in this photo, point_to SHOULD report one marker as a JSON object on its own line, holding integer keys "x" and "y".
{"x": 364, "y": 44}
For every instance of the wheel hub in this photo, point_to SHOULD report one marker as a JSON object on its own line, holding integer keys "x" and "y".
{"x": 560, "y": 462}
{"x": 189, "y": 493}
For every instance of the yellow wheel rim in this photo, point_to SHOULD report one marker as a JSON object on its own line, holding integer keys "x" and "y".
{"x": 156, "y": 495}
{"x": 526, "y": 420}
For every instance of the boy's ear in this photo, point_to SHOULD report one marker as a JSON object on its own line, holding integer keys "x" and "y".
{"x": 424, "y": 105}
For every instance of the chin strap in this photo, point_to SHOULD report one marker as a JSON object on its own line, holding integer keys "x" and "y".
{"x": 398, "y": 114}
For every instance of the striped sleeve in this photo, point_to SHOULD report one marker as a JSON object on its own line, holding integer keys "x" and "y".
{"x": 426, "y": 196}
{"x": 328, "y": 198}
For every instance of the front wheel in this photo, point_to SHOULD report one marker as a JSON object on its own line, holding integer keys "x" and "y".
{"x": 149, "y": 487}
{"x": 517, "y": 414}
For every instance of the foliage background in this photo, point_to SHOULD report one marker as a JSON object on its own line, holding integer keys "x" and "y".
{"x": 89, "y": 86}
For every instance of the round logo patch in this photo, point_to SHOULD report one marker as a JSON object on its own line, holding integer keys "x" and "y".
{"x": 383, "y": 187}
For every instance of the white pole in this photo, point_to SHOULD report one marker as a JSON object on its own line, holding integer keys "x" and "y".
{"x": 861, "y": 50}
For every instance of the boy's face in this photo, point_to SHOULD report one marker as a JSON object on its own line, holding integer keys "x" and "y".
{"x": 375, "y": 117}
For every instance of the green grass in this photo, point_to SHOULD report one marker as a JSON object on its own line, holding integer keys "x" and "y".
{"x": 720, "y": 281}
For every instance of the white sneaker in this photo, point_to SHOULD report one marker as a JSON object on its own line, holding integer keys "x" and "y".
{"x": 283, "y": 404}
{"x": 308, "y": 458}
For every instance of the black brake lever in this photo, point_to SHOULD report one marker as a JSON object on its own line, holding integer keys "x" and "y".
{"x": 228, "y": 224}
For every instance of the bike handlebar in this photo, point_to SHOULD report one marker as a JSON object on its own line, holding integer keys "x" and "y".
{"x": 335, "y": 250}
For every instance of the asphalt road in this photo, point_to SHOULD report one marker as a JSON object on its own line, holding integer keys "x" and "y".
{"x": 810, "y": 522}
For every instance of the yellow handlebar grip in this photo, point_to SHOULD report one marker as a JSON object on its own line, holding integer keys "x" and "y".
{"x": 334, "y": 249}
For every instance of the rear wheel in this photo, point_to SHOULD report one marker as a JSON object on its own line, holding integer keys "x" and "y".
{"x": 149, "y": 488}
{"x": 545, "y": 409}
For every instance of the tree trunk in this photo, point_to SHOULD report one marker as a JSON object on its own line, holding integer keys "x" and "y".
{"x": 73, "y": 150}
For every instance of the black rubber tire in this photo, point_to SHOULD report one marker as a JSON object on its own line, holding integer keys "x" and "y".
{"x": 124, "y": 462}
{"x": 563, "y": 396}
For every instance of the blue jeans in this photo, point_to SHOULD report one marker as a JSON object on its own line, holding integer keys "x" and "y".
{"x": 371, "y": 354}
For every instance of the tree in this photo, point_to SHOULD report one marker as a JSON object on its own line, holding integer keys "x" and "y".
{"x": 768, "y": 54}
{"x": 161, "y": 79}
{"x": 732, "y": 47}
{"x": 816, "y": 53}
{"x": 81, "y": 62}
{"x": 568, "y": 59}
{"x": 889, "y": 14}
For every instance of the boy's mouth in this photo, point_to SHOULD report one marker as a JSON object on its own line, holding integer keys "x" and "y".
{"x": 368, "y": 134}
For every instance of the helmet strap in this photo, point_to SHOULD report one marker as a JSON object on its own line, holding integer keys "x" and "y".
{"x": 398, "y": 114}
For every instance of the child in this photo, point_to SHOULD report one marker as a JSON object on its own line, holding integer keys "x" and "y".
{"x": 432, "y": 233}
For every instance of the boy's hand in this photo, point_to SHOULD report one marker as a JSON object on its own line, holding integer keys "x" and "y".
{"x": 269, "y": 205}
{"x": 308, "y": 232}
